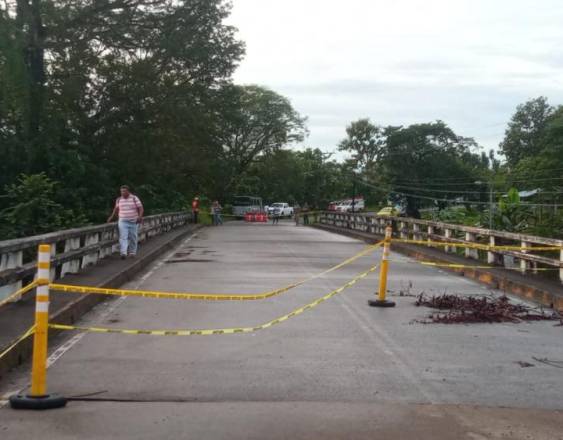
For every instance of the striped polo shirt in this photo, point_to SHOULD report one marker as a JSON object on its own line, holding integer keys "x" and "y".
{"x": 128, "y": 207}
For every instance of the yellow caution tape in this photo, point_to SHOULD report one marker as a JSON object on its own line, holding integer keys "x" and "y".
{"x": 19, "y": 292}
{"x": 219, "y": 331}
{"x": 468, "y": 266}
{"x": 28, "y": 333}
{"x": 478, "y": 245}
{"x": 204, "y": 296}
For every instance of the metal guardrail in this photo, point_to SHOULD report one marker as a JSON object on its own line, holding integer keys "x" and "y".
{"x": 72, "y": 249}
{"x": 527, "y": 260}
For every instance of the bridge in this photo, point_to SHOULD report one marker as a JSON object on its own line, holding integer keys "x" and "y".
{"x": 313, "y": 360}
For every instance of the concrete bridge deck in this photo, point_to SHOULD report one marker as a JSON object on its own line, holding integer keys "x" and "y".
{"x": 340, "y": 370}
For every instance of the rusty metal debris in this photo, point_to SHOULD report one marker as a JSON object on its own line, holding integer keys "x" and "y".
{"x": 458, "y": 309}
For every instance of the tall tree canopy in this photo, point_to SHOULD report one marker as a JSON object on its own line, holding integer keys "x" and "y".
{"x": 254, "y": 121}
{"x": 420, "y": 154}
{"x": 365, "y": 141}
{"x": 523, "y": 137}
{"x": 98, "y": 93}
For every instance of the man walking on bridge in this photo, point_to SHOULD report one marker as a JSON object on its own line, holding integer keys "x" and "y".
{"x": 195, "y": 209}
{"x": 129, "y": 210}
{"x": 216, "y": 209}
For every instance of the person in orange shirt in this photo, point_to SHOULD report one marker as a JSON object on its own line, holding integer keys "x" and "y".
{"x": 195, "y": 209}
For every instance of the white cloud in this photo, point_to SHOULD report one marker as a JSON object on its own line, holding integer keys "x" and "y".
{"x": 467, "y": 62}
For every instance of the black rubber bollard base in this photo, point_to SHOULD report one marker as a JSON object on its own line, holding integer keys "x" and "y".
{"x": 49, "y": 401}
{"x": 379, "y": 303}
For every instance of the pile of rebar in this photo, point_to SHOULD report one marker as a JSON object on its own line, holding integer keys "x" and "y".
{"x": 459, "y": 309}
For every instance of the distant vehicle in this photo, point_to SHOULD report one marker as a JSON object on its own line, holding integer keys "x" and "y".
{"x": 280, "y": 209}
{"x": 332, "y": 206}
{"x": 390, "y": 211}
{"x": 351, "y": 205}
{"x": 244, "y": 204}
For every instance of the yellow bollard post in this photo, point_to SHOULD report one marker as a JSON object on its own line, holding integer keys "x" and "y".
{"x": 38, "y": 397}
{"x": 381, "y": 301}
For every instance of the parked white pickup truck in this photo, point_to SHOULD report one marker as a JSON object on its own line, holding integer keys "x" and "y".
{"x": 280, "y": 209}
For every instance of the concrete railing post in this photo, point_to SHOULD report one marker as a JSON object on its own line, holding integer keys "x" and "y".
{"x": 471, "y": 252}
{"x": 523, "y": 263}
{"x": 90, "y": 259}
{"x": 403, "y": 231}
{"x": 106, "y": 250}
{"x": 430, "y": 232}
{"x": 147, "y": 225}
{"x": 491, "y": 256}
{"x": 448, "y": 236}
{"x": 10, "y": 260}
{"x": 115, "y": 236}
{"x": 72, "y": 266}
{"x": 416, "y": 231}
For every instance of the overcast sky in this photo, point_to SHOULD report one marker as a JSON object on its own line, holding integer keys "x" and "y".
{"x": 466, "y": 62}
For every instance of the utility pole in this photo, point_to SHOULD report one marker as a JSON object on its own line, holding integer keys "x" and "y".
{"x": 490, "y": 205}
{"x": 353, "y": 193}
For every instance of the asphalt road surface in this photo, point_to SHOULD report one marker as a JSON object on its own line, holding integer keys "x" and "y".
{"x": 339, "y": 370}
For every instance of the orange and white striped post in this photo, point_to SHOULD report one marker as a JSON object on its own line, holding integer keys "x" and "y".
{"x": 381, "y": 301}
{"x": 38, "y": 397}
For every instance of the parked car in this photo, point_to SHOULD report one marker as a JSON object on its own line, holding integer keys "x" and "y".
{"x": 390, "y": 211}
{"x": 280, "y": 209}
{"x": 351, "y": 205}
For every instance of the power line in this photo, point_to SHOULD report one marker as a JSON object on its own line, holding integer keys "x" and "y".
{"x": 451, "y": 191}
{"x": 426, "y": 183}
{"x": 473, "y": 202}
{"x": 465, "y": 179}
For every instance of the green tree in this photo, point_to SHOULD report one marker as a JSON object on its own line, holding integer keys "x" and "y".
{"x": 297, "y": 177}
{"x": 524, "y": 136}
{"x": 128, "y": 96}
{"x": 253, "y": 121}
{"x": 510, "y": 214}
{"x": 416, "y": 158}
{"x": 541, "y": 168}
{"x": 365, "y": 141}
{"x": 33, "y": 209}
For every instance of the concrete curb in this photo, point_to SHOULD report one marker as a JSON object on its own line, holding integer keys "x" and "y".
{"x": 84, "y": 303}
{"x": 493, "y": 280}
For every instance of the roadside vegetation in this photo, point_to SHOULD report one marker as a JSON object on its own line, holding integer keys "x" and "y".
{"x": 98, "y": 94}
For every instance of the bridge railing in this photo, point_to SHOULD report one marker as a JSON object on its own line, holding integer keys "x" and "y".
{"x": 425, "y": 230}
{"x": 72, "y": 249}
